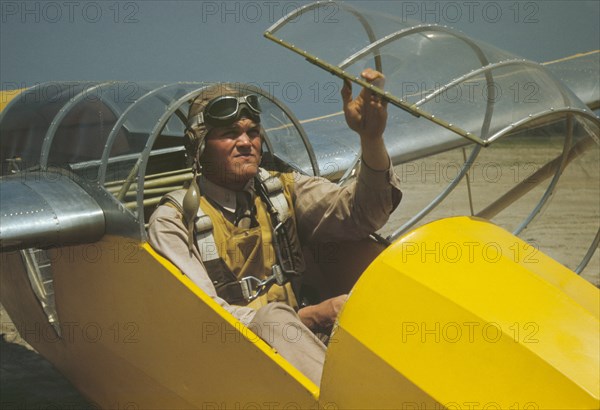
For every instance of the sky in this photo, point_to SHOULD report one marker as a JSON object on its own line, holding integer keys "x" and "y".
{"x": 171, "y": 41}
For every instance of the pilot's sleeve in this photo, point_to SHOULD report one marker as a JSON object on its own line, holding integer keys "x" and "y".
{"x": 326, "y": 211}
{"x": 167, "y": 235}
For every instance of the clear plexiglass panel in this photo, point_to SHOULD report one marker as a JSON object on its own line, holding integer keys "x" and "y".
{"x": 470, "y": 89}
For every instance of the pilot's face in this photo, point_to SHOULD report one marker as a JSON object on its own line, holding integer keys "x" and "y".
{"x": 232, "y": 154}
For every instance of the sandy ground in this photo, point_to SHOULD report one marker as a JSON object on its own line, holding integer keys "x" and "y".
{"x": 564, "y": 229}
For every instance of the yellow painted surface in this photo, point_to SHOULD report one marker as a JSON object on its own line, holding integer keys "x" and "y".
{"x": 7, "y": 96}
{"x": 462, "y": 314}
{"x": 138, "y": 334}
{"x": 457, "y": 314}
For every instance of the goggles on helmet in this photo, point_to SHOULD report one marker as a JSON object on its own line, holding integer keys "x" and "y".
{"x": 227, "y": 108}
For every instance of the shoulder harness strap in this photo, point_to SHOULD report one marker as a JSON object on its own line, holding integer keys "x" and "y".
{"x": 203, "y": 227}
{"x": 274, "y": 188}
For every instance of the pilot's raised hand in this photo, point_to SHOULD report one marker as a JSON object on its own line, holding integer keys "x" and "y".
{"x": 367, "y": 115}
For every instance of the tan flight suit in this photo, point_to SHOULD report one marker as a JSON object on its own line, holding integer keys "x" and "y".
{"x": 323, "y": 212}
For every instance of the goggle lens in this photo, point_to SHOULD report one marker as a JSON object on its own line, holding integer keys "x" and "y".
{"x": 227, "y": 107}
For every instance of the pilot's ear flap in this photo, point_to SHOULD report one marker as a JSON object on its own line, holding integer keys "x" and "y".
{"x": 188, "y": 144}
{"x": 194, "y": 144}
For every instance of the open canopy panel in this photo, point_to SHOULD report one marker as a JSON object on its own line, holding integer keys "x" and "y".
{"x": 470, "y": 92}
{"x": 471, "y": 89}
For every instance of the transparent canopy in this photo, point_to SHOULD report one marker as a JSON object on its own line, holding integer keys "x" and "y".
{"x": 524, "y": 122}
{"x": 471, "y": 89}
{"x": 125, "y": 135}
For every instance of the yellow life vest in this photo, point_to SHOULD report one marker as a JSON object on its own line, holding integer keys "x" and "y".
{"x": 233, "y": 255}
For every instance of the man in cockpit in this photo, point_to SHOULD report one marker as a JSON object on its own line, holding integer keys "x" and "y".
{"x": 237, "y": 231}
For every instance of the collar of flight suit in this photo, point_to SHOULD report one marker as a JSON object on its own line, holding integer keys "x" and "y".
{"x": 225, "y": 198}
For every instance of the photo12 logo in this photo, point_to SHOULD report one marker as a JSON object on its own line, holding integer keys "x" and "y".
{"x": 73, "y": 332}
{"x": 69, "y": 11}
{"x": 450, "y": 12}
{"x": 470, "y": 405}
{"x": 269, "y": 11}
{"x": 467, "y": 252}
{"x": 468, "y": 332}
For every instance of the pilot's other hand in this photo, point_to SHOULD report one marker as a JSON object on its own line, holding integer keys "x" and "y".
{"x": 367, "y": 113}
{"x": 321, "y": 317}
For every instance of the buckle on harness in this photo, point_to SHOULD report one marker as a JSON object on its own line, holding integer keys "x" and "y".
{"x": 252, "y": 287}
{"x": 277, "y": 273}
